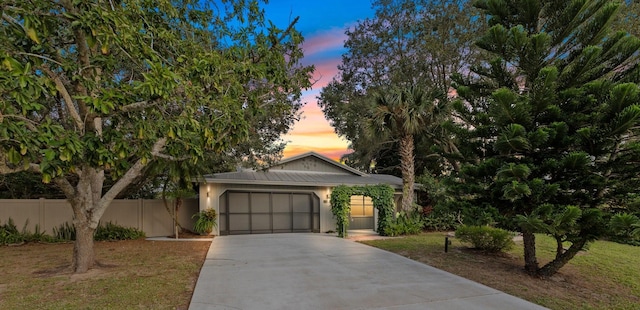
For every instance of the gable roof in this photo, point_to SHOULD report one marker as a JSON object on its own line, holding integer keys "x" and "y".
{"x": 323, "y": 159}
{"x": 298, "y": 177}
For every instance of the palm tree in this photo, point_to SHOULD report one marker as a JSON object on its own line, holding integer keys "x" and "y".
{"x": 398, "y": 115}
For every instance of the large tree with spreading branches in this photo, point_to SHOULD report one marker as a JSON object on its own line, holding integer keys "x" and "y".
{"x": 97, "y": 89}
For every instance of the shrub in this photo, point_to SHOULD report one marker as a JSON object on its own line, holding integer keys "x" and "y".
{"x": 405, "y": 224}
{"x": 9, "y": 234}
{"x": 106, "y": 232}
{"x": 113, "y": 232}
{"x": 486, "y": 238}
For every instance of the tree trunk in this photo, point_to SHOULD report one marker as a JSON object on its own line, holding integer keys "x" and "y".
{"x": 530, "y": 260}
{"x": 559, "y": 247}
{"x": 83, "y": 254}
{"x": 552, "y": 267}
{"x": 408, "y": 171}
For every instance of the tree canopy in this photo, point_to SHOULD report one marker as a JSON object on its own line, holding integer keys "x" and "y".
{"x": 551, "y": 122}
{"x": 94, "y": 89}
{"x": 408, "y": 47}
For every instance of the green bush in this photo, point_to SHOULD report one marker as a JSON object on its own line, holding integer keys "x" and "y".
{"x": 486, "y": 238}
{"x": 405, "y": 224}
{"x": 104, "y": 232}
{"x": 9, "y": 234}
{"x": 113, "y": 232}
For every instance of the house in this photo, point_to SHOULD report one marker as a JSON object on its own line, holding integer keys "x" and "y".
{"x": 290, "y": 196}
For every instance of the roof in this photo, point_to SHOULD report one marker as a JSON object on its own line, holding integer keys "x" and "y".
{"x": 350, "y": 176}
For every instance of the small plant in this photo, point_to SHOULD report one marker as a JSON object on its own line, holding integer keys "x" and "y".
{"x": 486, "y": 238}
{"x": 64, "y": 232}
{"x": 206, "y": 221}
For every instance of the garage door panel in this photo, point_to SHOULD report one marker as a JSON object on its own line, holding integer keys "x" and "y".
{"x": 238, "y": 203}
{"x": 239, "y": 222}
{"x": 301, "y": 203}
{"x": 282, "y": 221}
{"x": 301, "y": 221}
{"x": 260, "y": 222}
{"x": 260, "y": 203}
{"x": 281, "y": 203}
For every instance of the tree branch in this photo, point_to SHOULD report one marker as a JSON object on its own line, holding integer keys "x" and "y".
{"x": 130, "y": 175}
{"x": 138, "y": 105}
{"x": 66, "y": 97}
{"x": 6, "y": 168}
{"x": 29, "y": 123}
{"x": 66, "y": 187}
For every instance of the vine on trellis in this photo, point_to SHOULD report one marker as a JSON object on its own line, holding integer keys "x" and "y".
{"x": 381, "y": 195}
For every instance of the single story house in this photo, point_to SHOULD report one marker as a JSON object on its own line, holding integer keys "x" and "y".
{"x": 290, "y": 196}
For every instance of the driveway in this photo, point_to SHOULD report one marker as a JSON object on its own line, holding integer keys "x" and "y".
{"x": 317, "y": 271}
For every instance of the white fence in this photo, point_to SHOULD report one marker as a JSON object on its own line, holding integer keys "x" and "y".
{"x": 147, "y": 215}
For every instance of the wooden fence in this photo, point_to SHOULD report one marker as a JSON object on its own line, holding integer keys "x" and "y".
{"x": 147, "y": 215}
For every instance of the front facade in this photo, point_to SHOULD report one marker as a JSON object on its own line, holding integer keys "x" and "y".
{"x": 291, "y": 196}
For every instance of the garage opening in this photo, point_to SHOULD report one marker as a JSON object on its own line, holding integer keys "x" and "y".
{"x": 361, "y": 214}
{"x": 253, "y": 212}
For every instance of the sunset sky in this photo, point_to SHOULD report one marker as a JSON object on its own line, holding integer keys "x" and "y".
{"x": 322, "y": 24}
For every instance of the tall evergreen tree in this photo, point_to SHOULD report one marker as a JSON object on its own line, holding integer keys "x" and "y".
{"x": 552, "y": 120}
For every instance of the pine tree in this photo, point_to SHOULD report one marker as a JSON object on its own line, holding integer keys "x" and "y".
{"x": 551, "y": 121}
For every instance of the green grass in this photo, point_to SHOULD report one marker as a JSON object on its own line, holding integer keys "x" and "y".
{"x": 134, "y": 274}
{"x": 605, "y": 276}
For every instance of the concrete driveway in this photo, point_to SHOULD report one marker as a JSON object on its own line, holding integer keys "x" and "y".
{"x": 317, "y": 271}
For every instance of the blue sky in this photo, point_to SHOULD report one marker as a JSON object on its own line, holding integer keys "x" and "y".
{"x": 322, "y": 23}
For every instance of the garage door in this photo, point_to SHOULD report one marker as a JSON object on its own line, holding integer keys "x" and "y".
{"x": 268, "y": 212}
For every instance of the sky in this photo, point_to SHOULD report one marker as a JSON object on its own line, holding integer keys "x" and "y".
{"x": 322, "y": 24}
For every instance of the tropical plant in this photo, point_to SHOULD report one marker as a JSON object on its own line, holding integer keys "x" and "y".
{"x": 206, "y": 220}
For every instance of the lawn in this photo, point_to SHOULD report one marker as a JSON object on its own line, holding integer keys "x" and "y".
{"x": 606, "y": 276}
{"x": 132, "y": 274}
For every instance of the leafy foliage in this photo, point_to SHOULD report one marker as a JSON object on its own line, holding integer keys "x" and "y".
{"x": 404, "y": 223}
{"x": 390, "y": 98}
{"x": 100, "y": 90}
{"x": 550, "y": 121}
{"x": 625, "y": 228}
{"x": 381, "y": 196}
{"x": 9, "y": 234}
{"x": 206, "y": 220}
{"x": 105, "y": 232}
{"x": 486, "y": 238}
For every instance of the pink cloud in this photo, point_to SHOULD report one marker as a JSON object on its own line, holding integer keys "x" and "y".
{"x": 325, "y": 71}
{"x": 324, "y": 41}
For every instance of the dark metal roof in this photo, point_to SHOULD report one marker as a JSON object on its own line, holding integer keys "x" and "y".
{"x": 300, "y": 178}
{"x": 304, "y": 178}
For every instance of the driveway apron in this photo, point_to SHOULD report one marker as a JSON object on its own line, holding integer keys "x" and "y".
{"x": 316, "y": 271}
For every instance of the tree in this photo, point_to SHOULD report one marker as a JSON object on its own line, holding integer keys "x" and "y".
{"x": 551, "y": 119}
{"x": 91, "y": 90}
{"x": 409, "y": 47}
